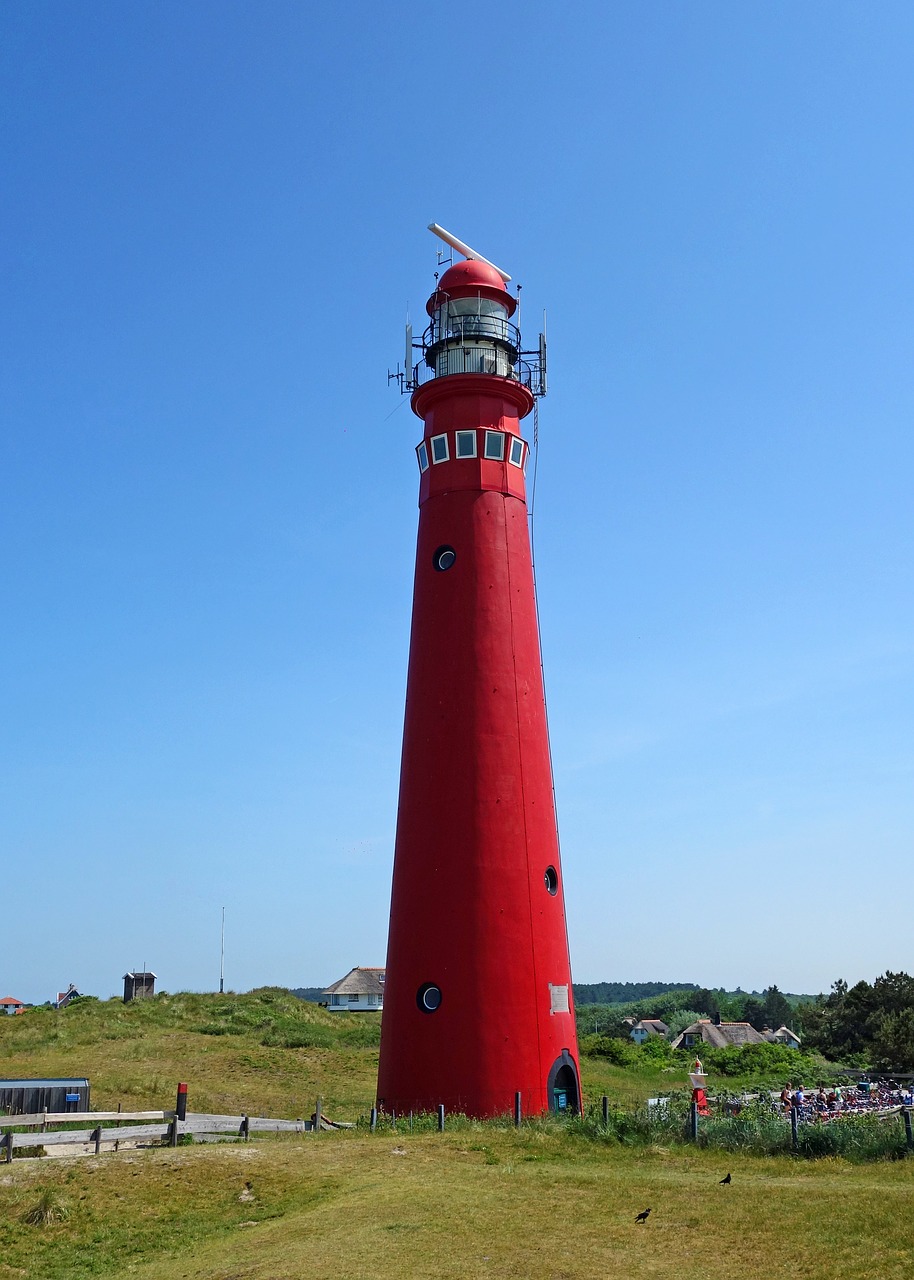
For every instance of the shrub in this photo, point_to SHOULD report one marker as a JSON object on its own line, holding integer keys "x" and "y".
{"x": 50, "y": 1207}
{"x": 622, "y": 1053}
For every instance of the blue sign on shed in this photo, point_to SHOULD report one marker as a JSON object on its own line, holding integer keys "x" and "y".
{"x": 28, "y": 1097}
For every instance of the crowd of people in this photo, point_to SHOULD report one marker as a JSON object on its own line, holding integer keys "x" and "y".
{"x": 829, "y": 1101}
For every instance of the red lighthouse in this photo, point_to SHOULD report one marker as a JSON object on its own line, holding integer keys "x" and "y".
{"x": 478, "y": 1003}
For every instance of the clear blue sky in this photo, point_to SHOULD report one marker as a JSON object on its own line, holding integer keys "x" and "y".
{"x": 213, "y": 223}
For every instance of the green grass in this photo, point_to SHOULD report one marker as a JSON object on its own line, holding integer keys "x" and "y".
{"x": 484, "y": 1201}
{"x": 265, "y": 1052}
{"x": 554, "y": 1200}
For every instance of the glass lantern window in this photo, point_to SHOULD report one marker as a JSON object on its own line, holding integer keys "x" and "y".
{"x": 495, "y": 445}
{"x": 473, "y": 317}
{"x": 422, "y": 455}
{"x": 516, "y": 455}
{"x": 439, "y": 449}
{"x": 466, "y": 444}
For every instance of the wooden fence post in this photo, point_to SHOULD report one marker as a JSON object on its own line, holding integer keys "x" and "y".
{"x": 7, "y": 1144}
{"x": 908, "y": 1131}
{"x": 794, "y": 1128}
{"x": 97, "y": 1139}
{"x": 410, "y": 1122}
{"x": 173, "y": 1131}
{"x": 373, "y": 1119}
{"x": 605, "y": 1110}
{"x": 693, "y": 1121}
{"x": 441, "y": 1117}
{"x": 518, "y": 1113}
{"x": 317, "y": 1116}
{"x": 245, "y": 1127}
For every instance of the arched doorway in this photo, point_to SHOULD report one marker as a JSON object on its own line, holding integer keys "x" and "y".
{"x": 562, "y": 1089}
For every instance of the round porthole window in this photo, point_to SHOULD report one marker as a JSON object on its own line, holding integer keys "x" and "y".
{"x": 551, "y": 881}
{"x": 428, "y": 997}
{"x": 443, "y": 558}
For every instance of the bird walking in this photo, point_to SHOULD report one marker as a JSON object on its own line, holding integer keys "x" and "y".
{"x": 725, "y": 1182}
{"x": 642, "y": 1217}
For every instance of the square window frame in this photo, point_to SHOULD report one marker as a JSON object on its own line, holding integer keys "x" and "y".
{"x": 500, "y": 456}
{"x": 447, "y": 453}
{"x": 515, "y": 441}
{"x": 422, "y": 456}
{"x": 472, "y": 435}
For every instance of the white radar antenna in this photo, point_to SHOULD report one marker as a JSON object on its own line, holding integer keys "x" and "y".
{"x": 464, "y": 248}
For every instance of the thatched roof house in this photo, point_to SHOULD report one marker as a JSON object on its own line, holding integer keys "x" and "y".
{"x": 718, "y": 1034}
{"x": 647, "y": 1027}
{"x": 361, "y": 990}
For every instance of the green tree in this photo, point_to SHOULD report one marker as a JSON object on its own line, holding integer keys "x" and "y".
{"x": 777, "y": 1008}
{"x": 754, "y": 1012}
{"x": 705, "y": 1001}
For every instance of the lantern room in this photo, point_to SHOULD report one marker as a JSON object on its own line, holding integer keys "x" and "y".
{"x": 470, "y": 330}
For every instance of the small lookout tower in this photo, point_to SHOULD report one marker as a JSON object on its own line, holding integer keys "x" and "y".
{"x": 139, "y": 986}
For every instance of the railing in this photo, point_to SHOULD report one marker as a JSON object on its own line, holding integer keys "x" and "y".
{"x": 158, "y": 1126}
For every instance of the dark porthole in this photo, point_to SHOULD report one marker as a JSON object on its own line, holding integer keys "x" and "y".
{"x": 443, "y": 558}
{"x": 428, "y": 997}
{"x": 551, "y": 881}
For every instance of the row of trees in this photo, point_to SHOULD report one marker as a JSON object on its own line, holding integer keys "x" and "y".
{"x": 869, "y": 1025}
{"x": 679, "y": 1007}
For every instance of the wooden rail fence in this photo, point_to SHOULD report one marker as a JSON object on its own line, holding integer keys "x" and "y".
{"x": 156, "y": 1126}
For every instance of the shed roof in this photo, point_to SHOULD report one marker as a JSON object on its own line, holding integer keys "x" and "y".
{"x": 80, "y": 1082}
{"x": 360, "y": 981}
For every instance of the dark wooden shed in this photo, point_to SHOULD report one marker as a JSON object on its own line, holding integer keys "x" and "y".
{"x": 139, "y": 986}
{"x": 28, "y": 1097}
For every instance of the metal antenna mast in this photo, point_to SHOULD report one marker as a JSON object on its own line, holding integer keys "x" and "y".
{"x": 222, "y": 957}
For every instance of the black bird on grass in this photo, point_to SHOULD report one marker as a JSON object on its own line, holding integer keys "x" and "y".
{"x": 725, "y": 1182}
{"x": 642, "y": 1217}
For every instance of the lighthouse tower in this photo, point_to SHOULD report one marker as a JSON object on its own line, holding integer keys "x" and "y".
{"x": 477, "y": 1001}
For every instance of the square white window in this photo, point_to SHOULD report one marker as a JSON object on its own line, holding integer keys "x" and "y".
{"x": 422, "y": 455}
{"x": 495, "y": 445}
{"x": 516, "y": 456}
{"x": 466, "y": 444}
{"x": 439, "y": 449}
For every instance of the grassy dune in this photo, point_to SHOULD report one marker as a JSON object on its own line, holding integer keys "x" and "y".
{"x": 265, "y": 1052}
{"x": 473, "y": 1203}
{"x": 479, "y": 1201}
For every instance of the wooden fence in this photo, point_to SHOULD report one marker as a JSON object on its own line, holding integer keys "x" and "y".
{"x": 121, "y": 1128}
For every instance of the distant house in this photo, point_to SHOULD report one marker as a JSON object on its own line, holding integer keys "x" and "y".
{"x": 783, "y": 1036}
{"x": 139, "y": 986}
{"x": 362, "y": 990}
{"x": 720, "y": 1035}
{"x": 9, "y": 1004}
{"x": 648, "y": 1027}
{"x": 64, "y": 997}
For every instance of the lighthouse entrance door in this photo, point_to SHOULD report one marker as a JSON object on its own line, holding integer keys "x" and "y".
{"x": 562, "y": 1086}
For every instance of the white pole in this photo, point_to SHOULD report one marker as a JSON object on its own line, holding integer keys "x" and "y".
{"x": 222, "y": 957}
{"x": 464, "y": 248}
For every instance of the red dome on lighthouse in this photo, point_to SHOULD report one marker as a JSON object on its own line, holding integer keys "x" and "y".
{"x": 471, "y": 279}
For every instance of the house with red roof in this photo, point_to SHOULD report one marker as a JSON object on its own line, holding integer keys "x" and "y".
{"x": 9, "y": 1004}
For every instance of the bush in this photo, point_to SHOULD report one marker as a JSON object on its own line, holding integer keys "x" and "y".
{"x": 622, "y": 1053}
